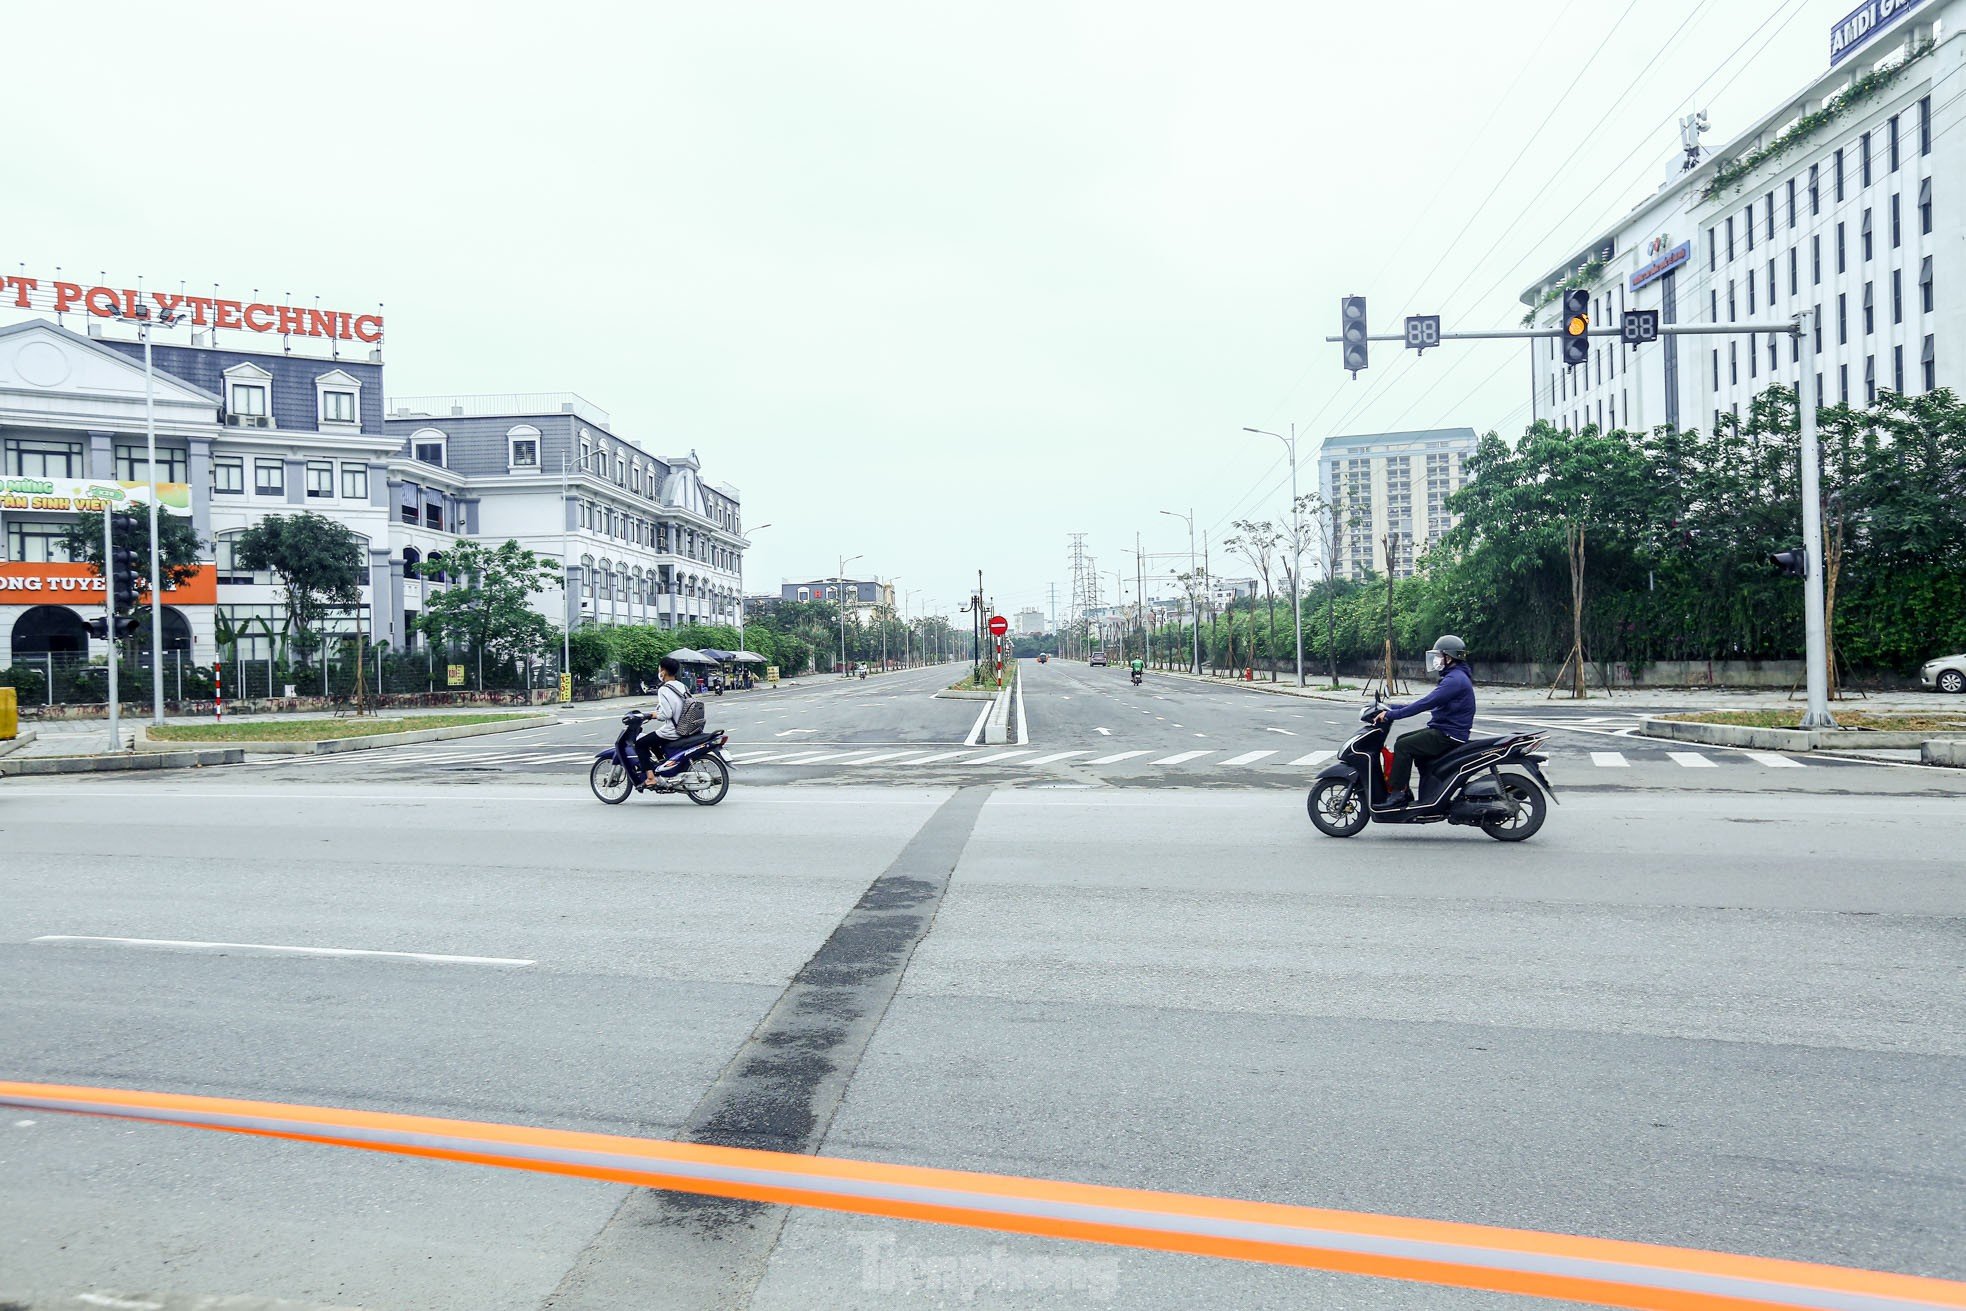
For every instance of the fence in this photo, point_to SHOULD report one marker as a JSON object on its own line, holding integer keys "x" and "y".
{"x": 62, "y": 679}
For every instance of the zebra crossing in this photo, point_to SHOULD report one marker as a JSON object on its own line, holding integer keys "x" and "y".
{"x": 844, "y": 758}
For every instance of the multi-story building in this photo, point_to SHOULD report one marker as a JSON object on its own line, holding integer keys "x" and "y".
{"x": 861, "y": 594}
{"x": 245, "y": 434}
{"x": 1852, "y": 208}
{"x": 645, "y": 539}
{"x": 1030, "y": 623}
{"x": 1390, "y": 488}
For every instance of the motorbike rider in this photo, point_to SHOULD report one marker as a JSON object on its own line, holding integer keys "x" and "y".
{"x": 1452, "y": 722}
{"x": 1139, "y": 668}
{"x": 670, "y": 698}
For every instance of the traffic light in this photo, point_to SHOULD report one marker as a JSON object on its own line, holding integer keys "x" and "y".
{"x": 98, "y": 627}
{"x": 122, "y": 563}
{"x": 1352, "y": 330}
{"x": 1576, "y": 322}
{"x": 1791, "y": 564}
{"x": 127, "y": 625}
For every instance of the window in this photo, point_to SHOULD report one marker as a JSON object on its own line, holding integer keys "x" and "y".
{"x": 173, "y": 466}
{"x": 1750, "y": 291}
{"x": 1792, "y": 218}
{"x": 430, "y": 452}
{"x": 229, "y": 570}
{"x": 1747, "y": 222}
{"x": 1754, "y": 361}
{"x": 1893, "y": 137}
{"x": 1713, "y": 305}
{"x": 433, "y": 513}
{"x": 1815, "y": 189}
{"x": 248, "y": 398}
{"x": 1733, "y": 363}
{"x": 31, "y": 541}
{"x": 1897, "y": 359}
{"x": 1731, "y": 315}
{"x": 1870, "y": 380}
{"x": 805, "y": 593}
{"x": 1773, "y": 358}
{"x": 354, "y": 482}
{"x": 1730, "y": 237}
{"x": 1863, "y": 156}
{"x": 1925, "y": 285}
{"x": 1771, "y": 284}
{"x": 412, "y": 562}
{"x": 635, "y": 479}
{"x": 229, "y": 474}
{"x": 1842, "y": 319}
{"x": 1713, "y": 251}
{"x": 1839, "y": 191}
{"x": 29, "y": 457}
{"x": 1931, "y": 375}
{"x": 1925, "y": 206}
{"x": 1771, "y": 216}
{"x": 1865, "y": 236}
{"x": 1897, "y": 225}
{"x": 1842, "y": 265}
{"x": 1925, "y": 139}
{"x": 1817, "y": 319}
{"x": 522, "y": 447}
{"x": 1795, "y": 285}
{"x": 1816, "y": 260}
{"x": 270, "y": 477}
{"x": 337, "y": 407}
{"x": 320, "y": 479}
{"x": 1870, "y": 309}
{"x": 1843, "y": 382}
{"x": 1897, "y": 296}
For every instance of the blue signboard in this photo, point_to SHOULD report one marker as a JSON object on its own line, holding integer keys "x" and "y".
{"x": 1663, "y": 265}
{"x": 1864, "y": 22}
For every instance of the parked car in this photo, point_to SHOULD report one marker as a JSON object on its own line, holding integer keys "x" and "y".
{"x": 1098, "y": 659}
{"x": 1946, "y": 674}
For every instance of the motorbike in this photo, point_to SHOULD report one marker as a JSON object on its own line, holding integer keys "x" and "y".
{"x": 1136, "y": 678}
{"x": 717, "y": 684}
{"x": 1467, "y": 785}
{"x": 693, "y": 765}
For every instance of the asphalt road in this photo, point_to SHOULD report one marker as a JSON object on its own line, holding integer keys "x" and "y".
{"x": 1090, "y": 728}
{"x": 1715, "y": 1018}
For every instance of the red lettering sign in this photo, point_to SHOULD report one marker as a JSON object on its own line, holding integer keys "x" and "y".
{"x": 18, "y": 291}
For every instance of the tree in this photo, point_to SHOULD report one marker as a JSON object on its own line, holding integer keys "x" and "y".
{"x": 488, "y": 608}
{"x": 1317, "y": 521}
{"x": 318, "y": 561}
{"x": 1257, "y": 543}
{"x": 178, "y": 547}
{"x": 589, "y": 651}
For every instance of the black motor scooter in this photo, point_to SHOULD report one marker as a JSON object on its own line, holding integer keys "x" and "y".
{"x": 1465, "y": 786}
{"x": 1136, "y": 678}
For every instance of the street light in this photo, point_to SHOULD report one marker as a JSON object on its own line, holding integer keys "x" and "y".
{"x": 891, "y": 579}
{"x": 839, "y": 595}
{"x": 1296, "y": 542}
{"x": 143, "y": 319}
{"x": 1194, "y": 612}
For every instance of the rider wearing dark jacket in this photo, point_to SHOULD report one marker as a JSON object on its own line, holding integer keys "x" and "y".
{"x": 1451, "y": 724}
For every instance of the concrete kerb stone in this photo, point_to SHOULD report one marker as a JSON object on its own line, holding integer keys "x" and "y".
{"x": 367, "y": 742}
{"x": 24, "y": 766}
{"x": 1949, "y": 751}
{"x": 1788, "y": 739}
{"x": 15, "y": 743}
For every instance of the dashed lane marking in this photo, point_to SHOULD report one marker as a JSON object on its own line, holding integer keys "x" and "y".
{"x": 1246, "y": 758}
{"x": 1115, "y": 759}
{"x": 1692, "y": 759}
{"x": 1610, "y": 760}
{"x": 1314, "y": 758}
{"x": 1181, "y": 757}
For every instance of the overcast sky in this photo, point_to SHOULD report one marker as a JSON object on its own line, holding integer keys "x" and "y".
{"x": 932, "y": 284}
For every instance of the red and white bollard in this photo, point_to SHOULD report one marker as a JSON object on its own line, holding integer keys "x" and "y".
{"x": 218, "y": 690}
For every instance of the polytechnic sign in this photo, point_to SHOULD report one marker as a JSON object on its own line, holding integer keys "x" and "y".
{"x": 90, "y": 495}
{"x": 1861, "y": 24}
{"x": 24, "y": 293}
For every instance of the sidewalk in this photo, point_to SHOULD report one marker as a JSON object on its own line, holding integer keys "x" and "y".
{"x": 1632, "y": 701}
{"x": 90, "y": 737}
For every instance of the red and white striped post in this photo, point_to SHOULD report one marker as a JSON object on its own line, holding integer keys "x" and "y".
{"x": 218, "y": 690}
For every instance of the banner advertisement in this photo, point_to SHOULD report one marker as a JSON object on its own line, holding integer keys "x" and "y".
{"x": 79, "y": 584}
{"x": 90, "y": 495}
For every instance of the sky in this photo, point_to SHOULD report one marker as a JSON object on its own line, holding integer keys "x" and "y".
{"x": 932, "y": 285}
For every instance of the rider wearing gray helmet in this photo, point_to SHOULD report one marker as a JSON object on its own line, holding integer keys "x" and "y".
{"x": 1452, "y": 722}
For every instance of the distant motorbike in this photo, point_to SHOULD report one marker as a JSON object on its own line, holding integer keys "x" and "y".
{"x": 1465, "y": 786}
{"x": 1136, "y": 678}
{"x": 693, "y": 765}
{"x": 717, "y": 684}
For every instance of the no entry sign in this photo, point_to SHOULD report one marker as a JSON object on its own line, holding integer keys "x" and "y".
{"x": 999, "y": 625}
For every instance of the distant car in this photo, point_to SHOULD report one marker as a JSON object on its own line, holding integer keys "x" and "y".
{"x": 1098, "y": 658}
{"x": 1946, "y": 674}
{"x": 1043, "y": 658}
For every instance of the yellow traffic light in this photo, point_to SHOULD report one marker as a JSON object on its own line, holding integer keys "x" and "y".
{"x": 1577, "y": 325}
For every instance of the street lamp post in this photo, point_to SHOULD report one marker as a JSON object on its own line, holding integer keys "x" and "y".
{"x": 144, "y": 321}
{"x": 839, "y": 595}
{"x": 1194, "y": 612}
{"x": 1296, "y": 543}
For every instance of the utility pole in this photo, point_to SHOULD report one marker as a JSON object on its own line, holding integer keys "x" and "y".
{"x": 1391, "y": 540}
{"x": 1296, "y": 543}
{"x": 1194, "y": 608}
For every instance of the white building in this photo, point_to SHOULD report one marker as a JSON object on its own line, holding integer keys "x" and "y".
{"x": 1391, "y": 486}
{"x": 1862, "y": 220}
{"x": 1030, "y": 623}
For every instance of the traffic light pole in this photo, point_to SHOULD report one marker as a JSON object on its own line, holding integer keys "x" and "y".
{"x": 1815, "y": 632}
{"x": 156, "y": 572}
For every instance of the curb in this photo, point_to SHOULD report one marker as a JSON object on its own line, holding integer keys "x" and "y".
{"x": 28, "y": 765}
{"x": 1269, "y": 689}
{"x": 15, "y": 743}
{"x": 368, "y": 742}
{"x": 1943, "y": 751}
{"x": 1793, "y": 739}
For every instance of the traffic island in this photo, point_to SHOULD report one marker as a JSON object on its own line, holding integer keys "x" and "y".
{"x": 109, "y": 763}
{"x": 1781, "y": 730}
{"x": 324, "y": 737}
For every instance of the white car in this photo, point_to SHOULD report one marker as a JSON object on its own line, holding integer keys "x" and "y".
{"x": 1946, "y": 674}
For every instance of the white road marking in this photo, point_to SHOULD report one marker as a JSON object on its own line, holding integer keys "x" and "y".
{"x": 975, "y": 735}
{"x": 1180, "y": 757}
{"x": 792, "y": 731}
{"x": 941, "y": 755}
{"x": 1056, "y": 755}
{"x": 1773, "y": 761}
{"x": 266, "y": 949}
{"x": 890, "y": 755}
{"x": 1610, "y": 760}
{"x": 1314, "y": 758}
{"x": 992, "y": 757}
{"x": 1286, "y": 732}
{"x": 1247, "y": 758}
{"x": 1103, "y": 732}
{"x": 1108, "y": 760}
{"x": 828, "y": 755}
{"x": 802, "y": 757}
{"x": 1693, "y": 760}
